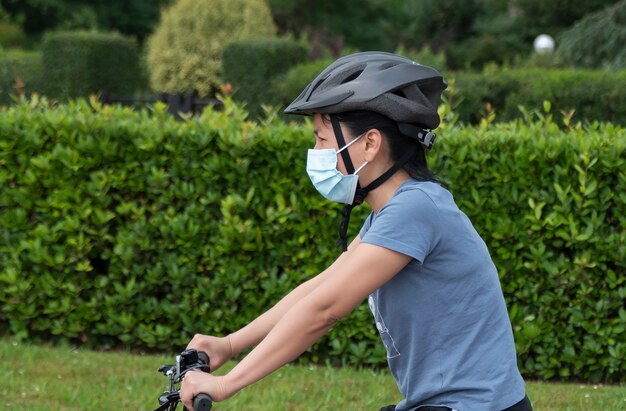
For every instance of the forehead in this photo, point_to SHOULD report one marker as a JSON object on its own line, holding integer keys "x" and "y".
{"x": 321, "y": 124}
{"x": 318, "y": 120}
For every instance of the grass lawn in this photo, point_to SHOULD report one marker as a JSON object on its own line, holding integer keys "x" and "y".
{"x": 63, "y": 378}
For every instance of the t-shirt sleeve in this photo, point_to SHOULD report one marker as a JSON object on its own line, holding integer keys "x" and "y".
{"x": 407, "y": 224}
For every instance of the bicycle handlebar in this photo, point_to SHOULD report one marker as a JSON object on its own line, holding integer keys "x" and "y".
{"x": 188, "y": 360}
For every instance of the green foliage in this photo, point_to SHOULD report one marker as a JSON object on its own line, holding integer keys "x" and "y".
{"x": 251, "y": 65}
{"x": 594, "y": 95}
{"x": 597, "y": 41}
{"x": 289, "y": 85}
{"x": 79, "y": 17}
{"x": 79, "y": 63}
{"x": 127, "y": 227}
{"x": 472, "y": 33}
{"x": 553, "y": 15}
{"x": 185, "y": 51}
{"x": 11, "y": 35}
{"x": 20, "y": 73}
{"x": 333, "y": 25}
{"x": 131, "y": 17}
{"x": 479, "y": 51}
{"x": 128, "y": 219}
{"x": 4, "y": 16}
{"x": 418, "y": 23}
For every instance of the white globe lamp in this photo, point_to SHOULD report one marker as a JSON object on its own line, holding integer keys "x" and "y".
{"x": 543, "y": 44}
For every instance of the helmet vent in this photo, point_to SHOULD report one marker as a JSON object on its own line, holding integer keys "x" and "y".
{"x": 319, "y": 83}
{"x": 352, "y": 76}
{"x": 399, "y": 93}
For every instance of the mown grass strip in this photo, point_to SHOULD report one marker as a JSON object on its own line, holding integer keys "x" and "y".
{"x": 65, "y": 378}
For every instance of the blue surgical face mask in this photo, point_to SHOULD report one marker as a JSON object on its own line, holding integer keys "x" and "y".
{"x": 321, "y": 166}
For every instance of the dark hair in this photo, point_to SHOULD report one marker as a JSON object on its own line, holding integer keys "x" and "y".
{"x": 358, "y": 122}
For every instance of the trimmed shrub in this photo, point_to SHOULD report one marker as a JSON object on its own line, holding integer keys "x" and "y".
{"x": 251, "y": 65}
{"x": 80, "y": 63}
{"x": 128, "y": 227}
{"x": 21, "y": 72}
{"x": 595, "y": 95}
{"x": 185, "y": 51}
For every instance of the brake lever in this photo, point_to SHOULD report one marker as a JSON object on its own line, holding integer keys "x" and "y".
{"x": 165, "y": 369}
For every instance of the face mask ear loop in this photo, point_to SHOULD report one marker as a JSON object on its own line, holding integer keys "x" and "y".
{"x": 360, "y": 168}
{"x": 350, "y": 143}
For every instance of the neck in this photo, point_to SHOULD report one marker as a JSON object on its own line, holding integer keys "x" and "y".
{"x": 381, "y": 195}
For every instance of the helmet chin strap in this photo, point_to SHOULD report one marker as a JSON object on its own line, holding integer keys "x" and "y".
{"x": 341, "y": 143}
{"x": 361, "y": 193}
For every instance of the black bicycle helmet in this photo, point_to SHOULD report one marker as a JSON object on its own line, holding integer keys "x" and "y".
{"x": 386, "y": 83}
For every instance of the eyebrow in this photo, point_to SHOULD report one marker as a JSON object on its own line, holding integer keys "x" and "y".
{"x": 316, "y": 132}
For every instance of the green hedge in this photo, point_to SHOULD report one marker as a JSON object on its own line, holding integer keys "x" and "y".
{"x": 20, "y": 72}
{"x": 250, "y": 66}
{"x": 595, "y": 95}
{"x": 124, "y": 227}
{"x": 82, "y": 62}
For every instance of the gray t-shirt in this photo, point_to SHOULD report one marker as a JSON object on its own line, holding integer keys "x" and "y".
{"x": 443, "y": 318}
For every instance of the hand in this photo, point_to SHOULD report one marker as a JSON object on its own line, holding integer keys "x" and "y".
{"x": 198, "y": 382}
{"x": 218, "y": 349}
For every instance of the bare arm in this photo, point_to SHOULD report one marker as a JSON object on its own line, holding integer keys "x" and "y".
{"x": 298, "y": 323}
{"x": 347, "y": 283}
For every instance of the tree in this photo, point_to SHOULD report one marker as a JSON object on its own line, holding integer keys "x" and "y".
{"x": 184, "y": 53}
{"x": 554, "y": 15}
{"x": 131, "y": 17}
{"x": 597, "y": 40}
{"x": 333, "y": 25}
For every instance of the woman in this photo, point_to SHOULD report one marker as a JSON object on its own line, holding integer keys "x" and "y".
{"x": 430, "y": 282}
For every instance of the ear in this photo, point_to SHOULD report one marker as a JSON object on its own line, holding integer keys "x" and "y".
{"x": 373, "y": 144}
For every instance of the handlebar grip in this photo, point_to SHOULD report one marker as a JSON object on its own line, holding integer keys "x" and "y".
{"x": 202, "y": 402}
{"x": 203, "y": 357}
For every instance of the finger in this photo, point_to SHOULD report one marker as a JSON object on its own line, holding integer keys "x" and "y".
{"x": 194, "y": 341}
{"x": 186, "y": 394}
